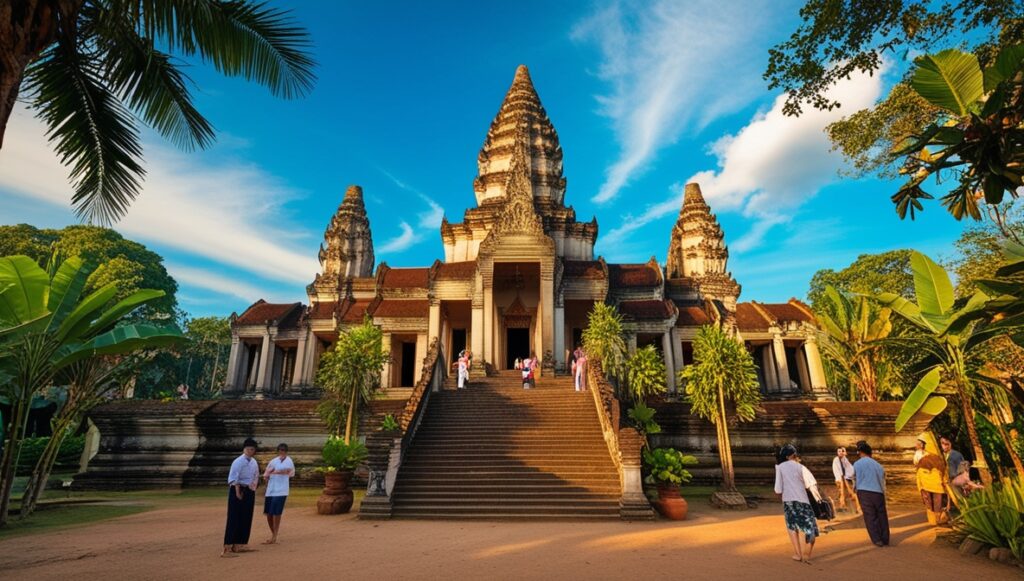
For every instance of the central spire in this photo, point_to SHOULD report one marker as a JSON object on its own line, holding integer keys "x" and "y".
{"x": 520, "y": 118}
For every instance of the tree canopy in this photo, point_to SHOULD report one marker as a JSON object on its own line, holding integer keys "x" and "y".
{"x": 869, "y": 274}
{"x": 114, "y": 259}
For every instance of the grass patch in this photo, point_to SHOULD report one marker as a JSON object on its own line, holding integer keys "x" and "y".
{"x": 57, "y": 517}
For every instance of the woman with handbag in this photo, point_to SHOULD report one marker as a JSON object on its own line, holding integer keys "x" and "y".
{"x": 792, "y": 480}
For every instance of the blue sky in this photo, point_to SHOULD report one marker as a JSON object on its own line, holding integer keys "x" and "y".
{"x": 645, "y": 96}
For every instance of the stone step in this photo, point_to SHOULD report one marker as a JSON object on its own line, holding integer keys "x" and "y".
{"x": 478, "y": 510}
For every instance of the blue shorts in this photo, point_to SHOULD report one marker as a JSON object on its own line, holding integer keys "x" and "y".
{"x": 274, "y": 505}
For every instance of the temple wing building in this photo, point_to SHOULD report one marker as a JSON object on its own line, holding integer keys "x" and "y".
{"x": 519, "y": 277}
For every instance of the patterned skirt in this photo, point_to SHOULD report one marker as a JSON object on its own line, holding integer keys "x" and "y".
{"x": 800, "y": 517}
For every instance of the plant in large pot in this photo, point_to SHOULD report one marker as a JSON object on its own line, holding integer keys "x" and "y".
{"x": 340, "y": 462}
{"x": 668, "y": 471}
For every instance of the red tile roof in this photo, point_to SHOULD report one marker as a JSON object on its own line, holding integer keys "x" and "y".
{"x": 692, "y": 316}
{"x": 323, "y": 310}
{"x": 787, "y": 312}
{"x": 653, "y": 310}
{"x": 353, "y": 311}
{"x": 586, "y": 269}
{"x": 748, "y": 318}
{"x": 633, "y": 275}
{"x": 262, "y": 312}
{"x": 403, "y": 308}
{"x": 456, "y": 270}
{"x": 407, "y": 278}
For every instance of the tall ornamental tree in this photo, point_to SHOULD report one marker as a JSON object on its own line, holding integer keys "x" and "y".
{"x": 949, "y": 336}
{"x": 645, "y": 374}
{"x": 603, "y": 339}
{"x": 349, "y": 374}
{"x": 721, "y": 385}
{"x": 94, "y": 69}
{"x": 47, "y": 324}
{"x": 854, "y": 330}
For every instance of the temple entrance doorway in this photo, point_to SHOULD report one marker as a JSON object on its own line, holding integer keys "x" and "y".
{"x": 458, "y": 342}
{"x": 408, "y": 370}
{"x": 517, "y": 342}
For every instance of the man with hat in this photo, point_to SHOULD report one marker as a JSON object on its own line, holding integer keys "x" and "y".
{"x": 869, "y": 482}
{"x": 242, "y": 482}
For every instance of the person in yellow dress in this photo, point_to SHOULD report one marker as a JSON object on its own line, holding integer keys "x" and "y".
{"x": 932, "y": 481}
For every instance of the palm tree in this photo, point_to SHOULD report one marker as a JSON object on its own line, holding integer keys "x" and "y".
{"x": 854, "y": 329}
{"x": 949, "y": 337}
{"x": 349, "y": 374}
{"x": 92, "y": 70}
{"x": 722, "y": 377}
{"x": 46, "y": 326}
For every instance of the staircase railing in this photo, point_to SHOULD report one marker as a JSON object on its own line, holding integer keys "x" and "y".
{"x": 624, "y": 445}
{"x": 387, "y": 449}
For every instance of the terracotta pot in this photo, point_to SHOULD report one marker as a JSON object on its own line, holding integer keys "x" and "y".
{"x": 337, "y": 495}
{"x": 670, "y": 504}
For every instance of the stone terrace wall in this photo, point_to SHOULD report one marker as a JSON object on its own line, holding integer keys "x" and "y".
{"x": 816, "y": 428}
{"x": 152, "y": 444}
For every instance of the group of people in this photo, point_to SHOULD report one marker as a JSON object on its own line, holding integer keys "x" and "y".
{"x": 528, "y": 367}
{"x": 579, "y": 369}
{"x": 863, "y": 479}
{"x": 463, "y": 365}
{"x": 863, "y": 482}
{"x": 243, "y": 480}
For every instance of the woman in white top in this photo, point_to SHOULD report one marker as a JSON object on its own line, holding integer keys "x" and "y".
{"x": 792, "y": 479}
{"x": 842, "y": 469}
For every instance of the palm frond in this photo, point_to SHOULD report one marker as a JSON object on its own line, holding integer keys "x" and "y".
{"x": 148, "y": 80}
{"x": 90, "y": 129}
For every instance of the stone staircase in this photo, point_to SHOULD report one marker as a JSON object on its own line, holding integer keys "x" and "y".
{"x": 497, "y": 451}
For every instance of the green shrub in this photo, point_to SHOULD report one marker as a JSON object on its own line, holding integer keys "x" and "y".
{"x": 32, "y": 448}
{"x": 645, "y": 373}
{"x": 668, "y": 465}
{"x": 389, "y": 424}
{"x": 995, "y": 515}
{"x": 341, "y": 456}
{"x": 642, "y": 417}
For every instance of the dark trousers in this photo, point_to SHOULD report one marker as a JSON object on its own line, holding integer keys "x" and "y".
{"x": 239, "y": 516}
{"x": 876, "y": 517}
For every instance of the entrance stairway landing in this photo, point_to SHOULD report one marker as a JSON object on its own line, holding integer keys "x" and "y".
{"x": 497, "y": 451}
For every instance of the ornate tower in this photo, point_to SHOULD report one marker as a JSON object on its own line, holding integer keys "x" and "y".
{"x": 697, "y": 250}
{"x": 521, "y": 108}
{"x": 347, "y": 250}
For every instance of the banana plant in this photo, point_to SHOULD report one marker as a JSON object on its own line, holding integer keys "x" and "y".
{"x": 950, "y": 335}
{"x": 47, "y": 325}
{"x": 979, "y": 138}
{"x": 854, "y": 329}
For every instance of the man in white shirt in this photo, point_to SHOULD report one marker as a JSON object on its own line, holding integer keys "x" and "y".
{"x": 279, "y": 472}
{"x": 243, "y": 479}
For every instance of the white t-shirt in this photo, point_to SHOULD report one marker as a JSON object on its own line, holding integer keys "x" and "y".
{"x": 277, "y": 484}
{"x": 792, "y": 479}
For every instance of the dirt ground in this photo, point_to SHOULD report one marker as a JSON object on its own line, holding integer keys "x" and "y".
{"x": 182, "y": 541}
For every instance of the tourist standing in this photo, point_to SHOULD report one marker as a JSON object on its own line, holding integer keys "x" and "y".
{"x": 527, "y": 372}
{"x": 869, "y": 482}
{"x": 242, "y": 482}
{"x": 953, "y": 458}
{"x": 842, "y": 470}
{"x": 278, "y": 474}
{"x": 931, "y": 481}
{"x": 581, "y": 372}
{"x": 792, "y": 479}
{"x": 463, "y": 371}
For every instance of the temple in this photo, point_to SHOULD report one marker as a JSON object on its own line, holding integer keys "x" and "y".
{"x": 519, "y": 277}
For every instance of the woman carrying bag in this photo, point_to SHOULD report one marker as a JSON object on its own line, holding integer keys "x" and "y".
{"x": 792, "y": 480}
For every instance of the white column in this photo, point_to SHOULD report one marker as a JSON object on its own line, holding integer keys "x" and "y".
{"x": 801, "y": 371}
{"x": 560, "y": 337}
{"x": 631, "y": 342}
{"x": 547, "y": 322}
{"x": 677, "y": 349}
{"x": 670, "y": 366}
{"x": 421, "y": 353}
{"x": 385, "y": 373}
{"x": 266, "y": 363}
{"x": 771, "y": 375}
{"x": 488, "y": 354}
{"x": 234, "y": 359}
{"x": 476, "y": 337}
{"x": 434, "y": 321}
{"x": 779, "y": 350}
{"x": 817, "y": 371}
{"x": 300, "y": 361}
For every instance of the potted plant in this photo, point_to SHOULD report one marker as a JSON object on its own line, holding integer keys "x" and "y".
{"x": 340, "y": 460}
{"x": 668, "y": 470}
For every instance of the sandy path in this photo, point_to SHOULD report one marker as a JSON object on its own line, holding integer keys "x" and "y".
{"x": 182, "y": 542}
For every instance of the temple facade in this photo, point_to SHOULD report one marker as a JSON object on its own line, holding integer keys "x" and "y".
{"x": 519, "y": 277}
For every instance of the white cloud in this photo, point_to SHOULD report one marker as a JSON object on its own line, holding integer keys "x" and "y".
{"x": 402, "y": 242}
{"x": 428, "y": 220}
{"x": 218, "y": 283}
{"x": 768, "y": 168}
{"x": 210, "y": 205}
{"x": 672, "y": 66}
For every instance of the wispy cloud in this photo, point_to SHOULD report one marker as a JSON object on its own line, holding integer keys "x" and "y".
{"x": 223, "y": 209}
{"x": 767, "y": 169}
{"x": 220, "y": 284}
{"x": 402, "y": 242}
{"x": 672, "y": 66}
